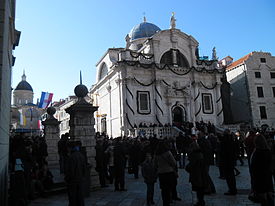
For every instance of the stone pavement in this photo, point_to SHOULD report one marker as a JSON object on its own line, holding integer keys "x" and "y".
{"x": 136, "y": 193}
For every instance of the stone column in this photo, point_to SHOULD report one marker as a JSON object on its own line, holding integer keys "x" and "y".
{"x": 82, "y": 129}
{"x": 52, "y": 136}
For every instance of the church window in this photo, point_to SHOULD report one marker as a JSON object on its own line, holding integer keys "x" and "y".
{"x": 167, "y": 58}
{"x": 181, "y": 60}
{"x": 263, "y": 112}
{"x": 103, "y": 71}
{"x": 207, "y": 103}
{"x": 272, "y": 75}
{"x": 143, "y": 102}
{"x": 273, "y": 91}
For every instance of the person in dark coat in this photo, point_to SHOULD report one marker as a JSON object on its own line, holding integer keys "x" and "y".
{"x": 135, "y": 156}
{"x": 207, "y": 151}
{"x": 219, "y": 162}
{"x": 176, "y": 155}
{"x": 166, "y": 168}
{"x": 18, "y": 192}
{"x": 75, "y": 176}
{"x": 180, "y": 149}
{"x": 249, "y": 143}
{"x": 63, "y": 152}
{"x": 240, "y": 147}
{"x": 149, "y": 173}
{"x": 206, "y": 148}
{"x": 101, "y": 162}
{"x": 228, "y": 160}
{"x": 271, "y": 144}
{"x": 261, "y": 171}
{"x": 42, "y": 152}
{"x": 119, "y": 165}
{"x": 198, "y": 173}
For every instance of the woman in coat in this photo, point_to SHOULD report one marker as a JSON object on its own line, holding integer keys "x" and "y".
{"x": 260, "y": 165}
{"x": 198, "y": 174}
{"x": 166, "y": 168}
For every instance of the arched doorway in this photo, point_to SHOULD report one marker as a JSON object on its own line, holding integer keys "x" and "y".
{"x": 178, "y": 116}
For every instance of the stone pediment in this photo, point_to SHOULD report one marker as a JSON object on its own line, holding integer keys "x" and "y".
{"x": 178, "y": 34}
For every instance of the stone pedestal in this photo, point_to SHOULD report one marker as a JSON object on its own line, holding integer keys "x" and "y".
{"x": 82, "y": 129}
{"x": 52, "y": 136}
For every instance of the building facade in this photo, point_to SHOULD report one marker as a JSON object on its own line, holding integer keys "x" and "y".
{"x": 252, "y": 80}
{"x": 9, "y": 39}
{"x": 25, "y": 114}
{"x": 61, "y": 115}
{"x": 158, "y": 78}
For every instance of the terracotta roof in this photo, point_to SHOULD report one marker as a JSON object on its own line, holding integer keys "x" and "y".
{"x": 238, "y": 62}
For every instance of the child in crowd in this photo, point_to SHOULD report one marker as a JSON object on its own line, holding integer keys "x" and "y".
{"x": 149, "y": 173}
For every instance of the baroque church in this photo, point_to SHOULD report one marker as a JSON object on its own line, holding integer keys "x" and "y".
{"x": 158, "y": 78}
{"x": 25, "y": 114}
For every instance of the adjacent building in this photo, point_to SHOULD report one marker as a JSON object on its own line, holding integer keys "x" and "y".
{"x": 9, "y": 39}
{"x": 252, "y": 81}
{"x": 61, "y": 115}
{"x": 158, "y": 78}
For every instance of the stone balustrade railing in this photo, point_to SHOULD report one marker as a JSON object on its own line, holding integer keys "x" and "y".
{"x": 159, "y": 132}
{"x": 128, "y": 55}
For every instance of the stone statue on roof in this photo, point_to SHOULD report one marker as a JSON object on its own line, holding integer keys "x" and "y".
{"x": 127, "y": 39}
{"x": 214, "y": 54}
{"x": 173, "y": 21}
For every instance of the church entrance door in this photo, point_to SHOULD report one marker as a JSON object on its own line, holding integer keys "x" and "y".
{"x": 178, "y": 115}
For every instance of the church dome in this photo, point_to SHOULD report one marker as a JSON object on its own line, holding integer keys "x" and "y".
{"x": 24, "y": 85}
{"x": 143, "y": 30}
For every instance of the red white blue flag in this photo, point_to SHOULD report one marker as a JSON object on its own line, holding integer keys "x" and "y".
{"x": 45, "y": 100}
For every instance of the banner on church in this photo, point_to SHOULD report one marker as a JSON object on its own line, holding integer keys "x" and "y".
{"x": 22, "y": 118}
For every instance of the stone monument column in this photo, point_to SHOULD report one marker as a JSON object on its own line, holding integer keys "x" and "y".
{"x": 52, "y": 136}
{"x": 82, "y": 129}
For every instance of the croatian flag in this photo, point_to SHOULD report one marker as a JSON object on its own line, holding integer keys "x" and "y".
{"x": 45, "y": 100}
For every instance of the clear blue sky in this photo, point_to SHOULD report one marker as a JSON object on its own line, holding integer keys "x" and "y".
{"x": 61, "y": 37}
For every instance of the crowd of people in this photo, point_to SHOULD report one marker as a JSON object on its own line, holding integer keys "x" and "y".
{"x": 195, "y": 149}
{"x": 29, "y": 173}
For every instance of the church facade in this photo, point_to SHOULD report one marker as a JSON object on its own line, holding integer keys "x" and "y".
{"x": 25, "y": 114}
{"x": 158, "y": 78}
